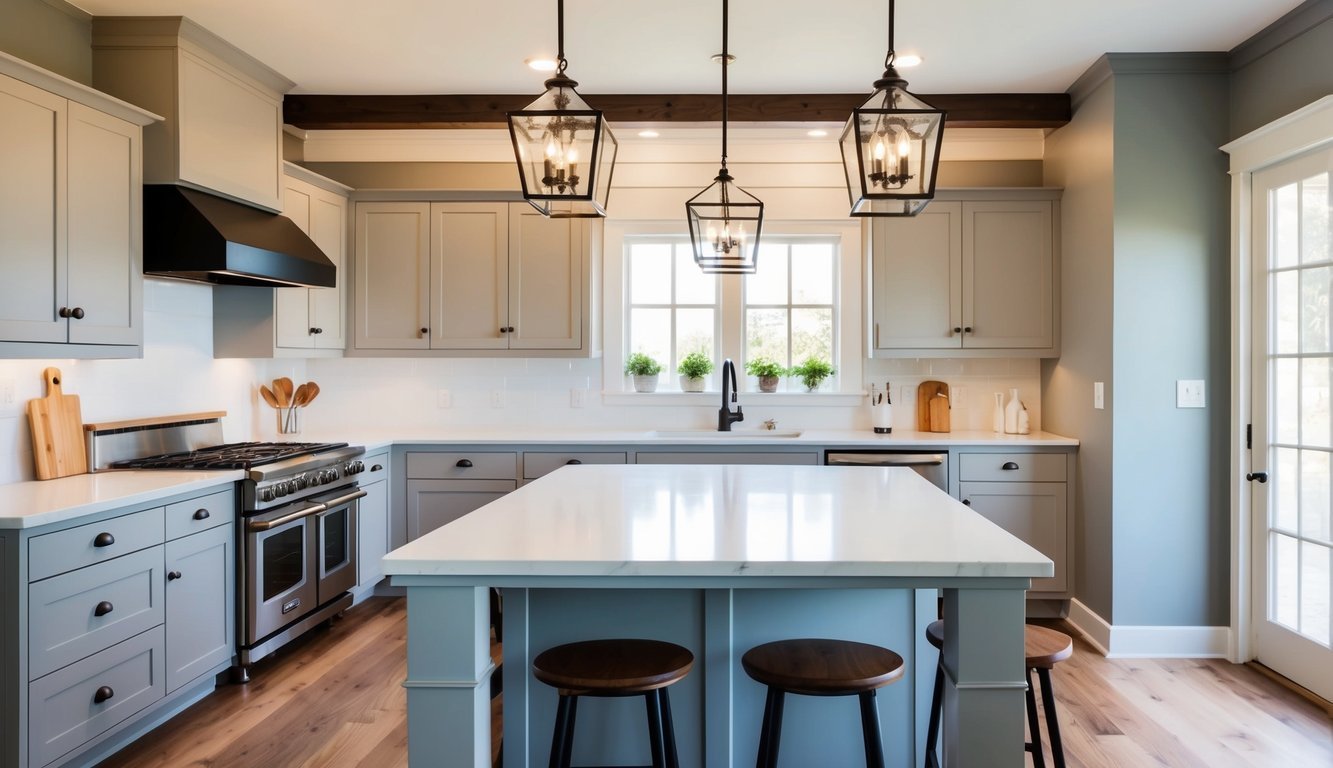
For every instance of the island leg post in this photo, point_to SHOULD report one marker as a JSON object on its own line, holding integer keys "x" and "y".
{"x": 984, "y": 679}
{"x": 448, "y": 677}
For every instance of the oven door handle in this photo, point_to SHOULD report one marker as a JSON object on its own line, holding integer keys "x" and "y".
{"x": 314, "y": 509}
{"x": 339, "y": 501}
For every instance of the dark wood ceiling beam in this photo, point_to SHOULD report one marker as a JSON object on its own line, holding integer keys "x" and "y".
{"x": 965, "y": 110}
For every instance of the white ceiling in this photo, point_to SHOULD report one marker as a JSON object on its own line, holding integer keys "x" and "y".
{"x": 663, "y": 46}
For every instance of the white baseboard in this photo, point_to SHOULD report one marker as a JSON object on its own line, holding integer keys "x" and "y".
{"x": 1139, "y": 642}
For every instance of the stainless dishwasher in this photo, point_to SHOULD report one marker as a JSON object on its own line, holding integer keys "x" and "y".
{"x": 932, "y": 466}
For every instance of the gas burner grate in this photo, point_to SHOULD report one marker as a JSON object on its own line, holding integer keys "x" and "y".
{"x": 228, "y": 456}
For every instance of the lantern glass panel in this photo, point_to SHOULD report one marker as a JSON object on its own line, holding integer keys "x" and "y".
{"x": 890, "y": 148}
{"x": 566, "y": 153}
{"x": 725, "y": 223}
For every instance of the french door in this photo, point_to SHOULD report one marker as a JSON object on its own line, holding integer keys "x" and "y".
{"x": 1292, "y": 427}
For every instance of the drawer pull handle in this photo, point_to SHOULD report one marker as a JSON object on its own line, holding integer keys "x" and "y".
{"x": 1009, "y": 465}
{"x": 464, "y": 463}
{"x": 968, "y": 502}
{"x": 376, "y": 467}
{"x": 200, "y": 514}
{"x": 173, "y": 575}
{"x": 103, "y": 608}
{"x": 103, "y": 539}
{"x": 574, "y": 461}
{"x": 103, "y": 694}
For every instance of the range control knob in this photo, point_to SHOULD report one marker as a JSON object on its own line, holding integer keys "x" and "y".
{"x": 354, "y": 467}
{"x": 279, "y": 490}
{"x": 330, "y": 475}
{"x": 302, "y": 482}
{"x": 266, "y": 494}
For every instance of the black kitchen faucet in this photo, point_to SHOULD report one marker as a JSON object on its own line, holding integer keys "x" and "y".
{"x": 725, "y": 416}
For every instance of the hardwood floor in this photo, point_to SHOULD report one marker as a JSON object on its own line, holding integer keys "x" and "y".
{"x": 335, "y": 700}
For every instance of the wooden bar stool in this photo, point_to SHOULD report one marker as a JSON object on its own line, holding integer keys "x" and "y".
{"x": 611, "y": 668}
{"x": 813, "y": 667}
{"x": 1043, "y": 649}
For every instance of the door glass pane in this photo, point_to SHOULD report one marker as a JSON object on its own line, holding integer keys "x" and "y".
{"x": 1285, "y": 217}
{"x": 1314, "y": 495}
{"x": 1314, "y": 402}
{"x": 1314, "y": 219}
{"x": 1283, "y": 604}
{"x": 335, "y": 538}
{"x": 1286, "y": 308}
{"x": 1314, "y": 591}
{"x": 1286, "y": 400}
{"x": 282, "y": 559}
{"x": 1285, "y": 504}
{"x": 1315, "y": 290}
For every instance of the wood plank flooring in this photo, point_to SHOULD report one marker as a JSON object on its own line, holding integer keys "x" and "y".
{"x": 335, "y": 700}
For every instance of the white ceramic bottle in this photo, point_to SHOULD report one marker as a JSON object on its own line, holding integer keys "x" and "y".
{"x": 997, "y": 416}
{"x": 1024, "y": 421}
{"x": 1011, "y": 413}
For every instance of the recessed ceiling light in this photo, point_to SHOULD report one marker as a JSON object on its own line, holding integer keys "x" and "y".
{"x": 541, "y": 65}
{"x": 817, "y": 133}
{"x": 907, "y": 60}
{"x": 649, "y": 134}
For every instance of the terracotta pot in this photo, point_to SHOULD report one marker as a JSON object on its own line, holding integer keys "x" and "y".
{"x": 688, "y": 384}
{"x": 645, "y": 383}
{"x": 769, "y": 383}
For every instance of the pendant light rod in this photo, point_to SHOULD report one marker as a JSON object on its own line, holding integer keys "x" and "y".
{"x": 724, "y": 83}
{"x": 560, "y": 62}
{"x": 888, "y": 57}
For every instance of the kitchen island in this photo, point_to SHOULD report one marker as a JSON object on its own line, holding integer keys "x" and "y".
{"x": 718, "y": 559}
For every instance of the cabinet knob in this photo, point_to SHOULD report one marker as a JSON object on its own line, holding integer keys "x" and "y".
{"x": 504, "y": 329}
{"x": 957, "y": 329}
{"x": 103, "y": 694}
{"x": 967, "y": 329}
{"x": 510, "y": 329}
{"x": 77, "y": 313}
{"x": 968, "y": 502}
{"x": 425, "y": 331}
{"x": 1009, "y": 465}
{"x": 464, "y": 463}
{"x": 103, "y": 539}
{"x": 103, "y": 608}
{"x": 316, "y": 330}
{"x": 574, "y": 461}
{"x": 376, "y": 467}
{"x": 173, "y": 575}
{"x": 64, "y": 312}
{"x": 200, "y": 514}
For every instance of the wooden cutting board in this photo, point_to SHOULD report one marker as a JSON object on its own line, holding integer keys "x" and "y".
{"x": 932, "y": 406}
{"x": 58, "y": 448}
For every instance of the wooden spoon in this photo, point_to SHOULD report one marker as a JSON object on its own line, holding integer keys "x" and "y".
{"x": 268, "y": 396}
{"x": 311, "y": 392}
{"x": 283, "y": 389}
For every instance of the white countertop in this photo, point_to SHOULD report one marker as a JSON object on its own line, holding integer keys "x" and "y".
{"x": 646, "y": 520}
{"x": 41, "y": 502}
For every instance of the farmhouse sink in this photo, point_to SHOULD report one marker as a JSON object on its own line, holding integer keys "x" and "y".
{"x": 734, "y": 434}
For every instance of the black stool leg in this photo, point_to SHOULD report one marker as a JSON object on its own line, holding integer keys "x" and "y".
{"x": 567, "y": 752}
{"x": 933, "y": 728}
{"x": 870, "y": 730}
{"x": 771, "y": 732}
{"x": 655, "y": 729}
{"x": 558, "y": 734}
{"x": 1034, "y": 746}
{"x": 668, "y": 730}
{"x": 1052, "y": 723}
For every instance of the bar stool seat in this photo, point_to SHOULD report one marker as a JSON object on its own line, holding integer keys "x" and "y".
{"x": 610, "y": 668}
{"x": 819, "y": 667}
{"x": 1042, "y": 649}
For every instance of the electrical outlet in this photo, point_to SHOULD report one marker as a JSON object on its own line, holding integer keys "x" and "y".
{"x": 444, "y": 398}
{"x": 1189, "y": 393}
{"x": 577, "y": 398}
{"x": 1098, "y": 395}
{"x": 958, "y": 397}
{"x": 497, "y": 398}
{"x": 7, "y": 395}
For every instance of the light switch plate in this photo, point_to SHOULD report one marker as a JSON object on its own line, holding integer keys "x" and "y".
{"x": 577, "y": 398}
{"x": 497, "y": 398}
{"x": 1099, "y": 395}
{"x": 444, "y": 398}
{"x": 1190, "y": 394}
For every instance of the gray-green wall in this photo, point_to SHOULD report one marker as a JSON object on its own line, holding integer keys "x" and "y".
{"x": 1283, "y": 68}
{"x": 1144, "y": 291}
{"x": 53, "y": 35}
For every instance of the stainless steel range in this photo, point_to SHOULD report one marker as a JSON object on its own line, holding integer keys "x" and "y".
{"x": 297, "y": 523}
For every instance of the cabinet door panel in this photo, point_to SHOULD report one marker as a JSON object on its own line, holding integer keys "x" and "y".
{"x": 470, "y": 272}
{"x": 1008, "y": 268}
{"x": 104, "y": 228}
{"x": 917, "y": 271}
{"x": 200, "y": 604}
{"x": 1033, "y": 512}
{"x": 373, "y": 534}
{"x": 291, "y": 306}
{"x": 328, "y": 228}
{"x": 32, "y": 218}
{"x": 392, "y": 275}
{"x": 433, "y": 503}
{"x": 545, "y": 280}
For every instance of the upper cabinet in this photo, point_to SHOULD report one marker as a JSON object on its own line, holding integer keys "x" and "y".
{"x": 292, "y": 322}
{"x": 70, "y": 218}
{"x": 974, "y": 275}
{"x": 223, "y": 128}
{"x": 473, "y": 279}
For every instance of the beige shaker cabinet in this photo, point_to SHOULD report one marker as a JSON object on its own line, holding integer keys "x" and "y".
{"x": 70, "y": 219}
{"x": 472, "y": 279}
{"x": 968, "y": 277}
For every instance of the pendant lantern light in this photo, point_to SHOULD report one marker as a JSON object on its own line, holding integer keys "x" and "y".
{"x": 564, "y": 148}
{"x": 891, "y": 147}
{"x": 724, "y": 219}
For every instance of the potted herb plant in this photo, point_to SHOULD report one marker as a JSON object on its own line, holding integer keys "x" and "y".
{"x": 644, "y": 369}
{"x": 813, "y": 372}
{"x": 766, "y": 370}
{"x": 692, "y": 369}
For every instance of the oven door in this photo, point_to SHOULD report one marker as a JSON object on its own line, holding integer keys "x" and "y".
{"x": 279, "y": 581}
{"x": 337, "y": 545}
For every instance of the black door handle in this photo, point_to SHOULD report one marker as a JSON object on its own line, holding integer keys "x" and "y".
{"x": 173, "y": 575}
{"x": 1009, "y": 465}
{"x": 968, "y": 502}
{"x": 574, "y": 461}
{"x": 103, "y": 694}
{"x": 103, "y": 608}
{"x": 1260, "y": 476}
{"x": 103, "y": 539}
{"x": 200, "y": 514}
{"x": 464, "y": 463}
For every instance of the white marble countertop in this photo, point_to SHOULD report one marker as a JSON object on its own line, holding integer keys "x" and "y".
{"x": 42, "y": 502}
{"x": 701, "y": 521}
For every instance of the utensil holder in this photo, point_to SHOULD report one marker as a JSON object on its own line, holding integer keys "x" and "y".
{"x": 881, "y": 418}
{"x": 289, "y": 421}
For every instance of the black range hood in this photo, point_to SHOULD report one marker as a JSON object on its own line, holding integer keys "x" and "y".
{"x": 192, "y": 235}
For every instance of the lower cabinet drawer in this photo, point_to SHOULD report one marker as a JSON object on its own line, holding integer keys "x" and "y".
{"x": 539, "y": 463}
{"x": 52, "y": 553}
{"x": 469, "y": 465}
{"x": 1012, "y": 467}
{"x": 81, "y": 612}
{"x": 194, "y": 515}
{"x": 68, "y": 707}
{"x": 728, "y": 457}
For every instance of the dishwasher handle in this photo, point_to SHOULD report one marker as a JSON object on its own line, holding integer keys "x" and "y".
{"x": 885, "y": 459}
